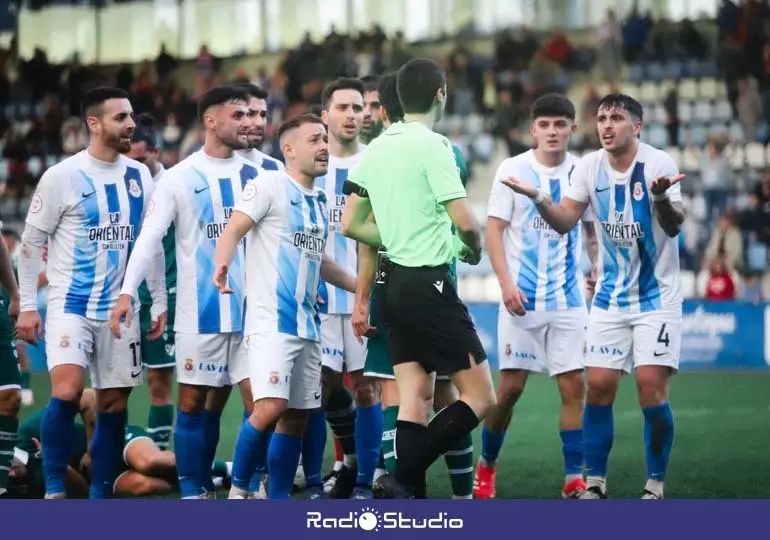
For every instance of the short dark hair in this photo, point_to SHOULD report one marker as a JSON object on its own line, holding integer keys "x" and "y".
{"x": 95, "y": 98}
{"x": 389, "y": 97}
{"x": 622, "y": 101}
{"x": 418, "y": 81}
{"x": 552, "y": 105}
{"x": 254, "y": 91}
{"x": 145, "y": 131}
{"x": 315, "y": 109}
{"x": 371, "y": 83}
{"x": 296, "y": 122}
{"x": 219, "y": 95}
{"x": 343, "y": 83}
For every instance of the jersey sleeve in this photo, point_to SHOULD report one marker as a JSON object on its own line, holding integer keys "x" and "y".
{"x": 462, "y": 165}
{"x": 258, "y": 198}
{"x": 579, "y": 189}
{"x": 46, "y": 206}
{"x": 441, "y": 170}
{"x": 501, "y": 197}
{"x": 666, "y": 168}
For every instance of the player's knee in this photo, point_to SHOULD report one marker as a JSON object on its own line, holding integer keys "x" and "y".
{"x": 293, "y": 422}
{"x": 511, "y": 387}
{"x": 267, "y": 411}
{"x": 365, "y": 392}
{"x": 10, "y": 402}
{"x": 652, "y": 386}
{"x": 191, "y": 399}
{"x": 112, "y": 399}
{"x": 444, "y": 395}
{"x": 572, "y": 388}
{"x": 142, "y": 464}
{"x": 602, "y": 386}
{"x": 159, "y": 382}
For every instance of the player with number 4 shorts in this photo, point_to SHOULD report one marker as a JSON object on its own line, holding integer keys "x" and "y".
{"x": 636, "y": 314}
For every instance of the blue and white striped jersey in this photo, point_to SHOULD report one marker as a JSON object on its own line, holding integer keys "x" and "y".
{"x": 261, "y": 160}
{"x": 92, "y": 212}
{"x": 638, "y": 269}
{"x": 543, "y": 264}
{"x": 284, "y": 252}
{"x": 198, "y": 195}
{"x": 343, "y": 250}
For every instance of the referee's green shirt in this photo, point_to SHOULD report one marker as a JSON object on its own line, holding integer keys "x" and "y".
{"x": 409, "y": 171}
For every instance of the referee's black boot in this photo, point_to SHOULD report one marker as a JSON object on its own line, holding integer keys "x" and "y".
{"x": 346, "y": 481}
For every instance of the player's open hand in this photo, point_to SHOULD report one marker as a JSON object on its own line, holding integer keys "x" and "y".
{"x": 360, "y": 321}
{"x": 29, "y": 327}
{"x": 157, "y": 326}
{"x": 220, "y": 279}
{"x": 514, "y": 300}
{"x": 660, "y": 185}
{"x": 520, "y": 186}
{"x": 121, "y": 312}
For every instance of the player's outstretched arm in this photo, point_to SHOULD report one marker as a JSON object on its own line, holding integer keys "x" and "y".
{"x": 335, "y": 275}
{"x": 561, "y": 217}
{"x": 29, "y": 326}
{"x": 227, "y": 245}
{"x": 356, "y": 223}
{"x": 668, "y": 212}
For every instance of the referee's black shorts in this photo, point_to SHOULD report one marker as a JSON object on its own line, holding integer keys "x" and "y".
{"x": 426, "y": 322}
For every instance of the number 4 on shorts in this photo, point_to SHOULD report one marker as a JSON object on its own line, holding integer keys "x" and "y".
{"x": 663, "y": 335}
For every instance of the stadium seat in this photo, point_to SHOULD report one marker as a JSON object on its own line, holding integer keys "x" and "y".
{"x": 688, "y": 89}
{"x": 709, "y": 89}
{"x": 723, "y": 111}
{"x": 755, "y": 155}
{"x": 685, "y": 111}
{"x": 35, "y": 166}
{"x": 648, "y": 91}
{"x": 702, "y": 111}
{"x": 673, "y": 70}
{"x": 658, "y": 136}
{"x": 636, "y": 73}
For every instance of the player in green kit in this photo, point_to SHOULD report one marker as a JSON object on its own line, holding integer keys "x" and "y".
{"x": 157, "y": 355}
{"x": 459, "y": 459}
{"x": 10, "y": 376}
{"x": 147, "y": 469}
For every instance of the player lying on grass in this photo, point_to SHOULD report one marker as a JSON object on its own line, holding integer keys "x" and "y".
{"x": 147, "y": 470}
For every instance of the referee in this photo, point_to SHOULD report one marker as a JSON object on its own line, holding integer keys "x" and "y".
{"x": 409, "y": 180}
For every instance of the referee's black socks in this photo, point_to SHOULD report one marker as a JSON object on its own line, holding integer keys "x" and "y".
{"x": 418, "y": 446}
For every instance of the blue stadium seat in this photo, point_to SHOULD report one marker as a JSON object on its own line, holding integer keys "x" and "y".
{"x": 636, "y": 73}
{"x": 673, "y": 70}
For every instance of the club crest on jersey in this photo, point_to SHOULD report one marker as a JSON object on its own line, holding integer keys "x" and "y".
{"x": 133, "y": 188}
{"x": 507, "y": 349}
{"x": 274, "y": 377}
{"x": 638, "y": 192}
{"x": 188, "y": 364}
{"x": 64, "y": 342}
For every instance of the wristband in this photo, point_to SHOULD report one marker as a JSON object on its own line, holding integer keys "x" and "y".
{"x": 540, "y": 197}
{"x": 660, "y": 198}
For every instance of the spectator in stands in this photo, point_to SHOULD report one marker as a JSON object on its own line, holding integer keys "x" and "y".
{"x": 732, "y": 66}
{"x": 671, "y": 106}
{"x": 691, "y": 42}
{"x": 727, "y": 19}
{"x": 726, "y": 243}
{"x": 749, "y": 107}
{"x": 764, "y": 82}
{"x": 558, "y": 49}
{"x": 716, "y": 174}
{"x": 635, "y": 31}
{"x": 720, "y": 285}
{"x": 165, "y": 64}
{"x": 610, "y": 47}
{"x": 17, "y": 155}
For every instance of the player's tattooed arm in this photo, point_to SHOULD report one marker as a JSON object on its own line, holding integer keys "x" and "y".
{"x": 356, "y": 223}
{"x": 670, "y": 214}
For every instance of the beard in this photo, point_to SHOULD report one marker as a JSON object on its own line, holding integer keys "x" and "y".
{"x": 114, "y": 141}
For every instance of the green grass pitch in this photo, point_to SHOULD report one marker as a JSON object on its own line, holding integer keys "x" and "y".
{"x": 721, "y": 447}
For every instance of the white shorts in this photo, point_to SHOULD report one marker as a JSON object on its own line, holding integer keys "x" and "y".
{"x": 339, "y": 346}
{"x": 113, "y": 362}
{"x": 285, "y": 367}
{"x": 624, "y": 341}
{"x": 214, "y": 360}
{"x": 542, "y": 341}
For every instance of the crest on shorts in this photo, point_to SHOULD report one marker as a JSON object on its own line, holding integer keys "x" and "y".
{"x": 188, "y": 364}
{"x": 133, "y": 188}
{"x": 507, "y": 349}
{"x": 638, "y": 192}
{"x": 274, "y": 377}
{"x": 64, "y": 342}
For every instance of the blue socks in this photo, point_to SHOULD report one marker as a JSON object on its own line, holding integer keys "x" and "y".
{"x": 264, "y": 444}
{"x": 368, "y": 436}
{"x": 658, "y": 439}
{"x": 57, "y": 434}
{"x": 313, "y": 447}
{"x": 189, "y": 446}
{"x": 598, "y": 435}
{"x": 211, "y": 422}
{"x": 106, "y": 452}
{"x": 246, "y": 456}
{"x": 282, "y": 462}
{"x": 491, "y": 443}
{"x": 572, "y": 448}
